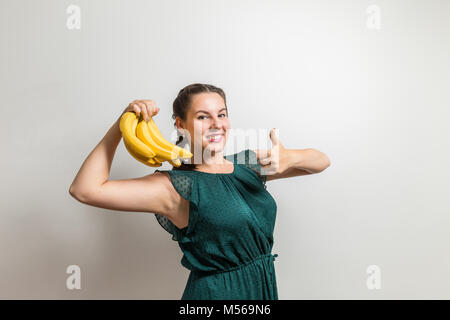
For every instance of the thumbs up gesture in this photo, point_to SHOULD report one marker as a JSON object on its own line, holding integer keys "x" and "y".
{"x": 274, "y": 160}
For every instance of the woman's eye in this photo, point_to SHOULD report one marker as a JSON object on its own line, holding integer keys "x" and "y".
{"x": 223, "y": 114}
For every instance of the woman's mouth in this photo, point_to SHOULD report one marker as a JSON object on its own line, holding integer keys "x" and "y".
{"x": 215, "y": 138}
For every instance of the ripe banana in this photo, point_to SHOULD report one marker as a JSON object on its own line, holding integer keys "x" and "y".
{"x": 148, "y": 162}
{"x": 175, "y": 163}
{"x": 164, "y": 144}
{"x": 145, "y": 143}
{"x": 128, "y": 123}
{"x": 144, "y": 134}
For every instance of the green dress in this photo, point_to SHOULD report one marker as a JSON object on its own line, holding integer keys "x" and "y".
{"x": 228, "y": 241}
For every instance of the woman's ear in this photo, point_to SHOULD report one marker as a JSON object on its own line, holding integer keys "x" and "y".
{"x": 179, "y": 124}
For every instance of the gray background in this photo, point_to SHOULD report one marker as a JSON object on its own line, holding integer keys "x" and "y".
{"x": 375, "y": 101}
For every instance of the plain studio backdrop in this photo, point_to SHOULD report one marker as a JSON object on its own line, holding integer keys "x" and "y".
{"x": 366, "y": 82}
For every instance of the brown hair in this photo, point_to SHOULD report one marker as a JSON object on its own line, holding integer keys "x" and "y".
{"x": 181, "y": 106}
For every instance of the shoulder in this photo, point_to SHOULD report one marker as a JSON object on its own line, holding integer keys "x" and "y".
{"x": 183, "y": 184}
{"x": 247, "y": 159}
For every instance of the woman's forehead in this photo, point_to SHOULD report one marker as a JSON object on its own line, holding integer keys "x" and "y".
{"x": 207, "y": 100}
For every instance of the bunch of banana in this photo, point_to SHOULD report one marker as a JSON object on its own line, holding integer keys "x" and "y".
{"x": 146, "y": 144}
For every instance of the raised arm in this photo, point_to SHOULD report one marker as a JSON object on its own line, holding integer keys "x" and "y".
{"x": 151, "y": 193}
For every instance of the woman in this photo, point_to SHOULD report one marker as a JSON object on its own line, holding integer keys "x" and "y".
{"x": 217, "y": 209}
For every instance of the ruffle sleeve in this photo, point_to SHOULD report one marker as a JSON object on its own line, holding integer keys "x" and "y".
{"x": 184, "y": 183}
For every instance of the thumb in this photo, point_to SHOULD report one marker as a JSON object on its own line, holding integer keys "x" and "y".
{"x": 274, "y": 137}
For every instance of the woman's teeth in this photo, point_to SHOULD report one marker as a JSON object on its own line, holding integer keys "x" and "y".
{"x": 215, "y": 138}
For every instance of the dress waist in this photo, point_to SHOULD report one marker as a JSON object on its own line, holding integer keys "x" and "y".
{"x": 268, "y": 256}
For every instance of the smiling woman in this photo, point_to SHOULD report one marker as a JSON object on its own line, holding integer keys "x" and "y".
{"x": 201, "y": 115}
{"x": 218, "y": 209}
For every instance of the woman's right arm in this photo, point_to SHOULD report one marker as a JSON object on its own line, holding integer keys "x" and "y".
{"x": 151, "y": 193}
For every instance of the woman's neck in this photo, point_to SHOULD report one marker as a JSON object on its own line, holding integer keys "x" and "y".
{"x": 214, "y": 162}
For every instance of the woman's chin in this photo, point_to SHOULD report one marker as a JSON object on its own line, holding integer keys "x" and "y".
{"x": 216, "y": 147}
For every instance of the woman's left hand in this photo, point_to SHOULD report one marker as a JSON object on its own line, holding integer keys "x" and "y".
{"x": 275, "y": 160}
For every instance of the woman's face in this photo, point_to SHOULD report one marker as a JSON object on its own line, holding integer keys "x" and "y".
{"x": 207, "y": 122}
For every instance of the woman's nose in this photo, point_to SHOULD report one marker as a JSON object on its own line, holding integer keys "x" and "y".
{"x": 216, "y": 123}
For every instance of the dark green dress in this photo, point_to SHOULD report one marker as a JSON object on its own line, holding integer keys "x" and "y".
{"x": 228, "y": 241}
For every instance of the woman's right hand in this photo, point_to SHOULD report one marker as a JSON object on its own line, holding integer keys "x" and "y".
{"x": 146, "y": 108}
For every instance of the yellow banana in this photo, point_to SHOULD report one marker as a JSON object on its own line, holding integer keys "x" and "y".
{"x": 163, "y": 143}
{"x": 175, "y": 163}
{"x": 128, "y": 124}
{"x": 158, "y": 159}
{"x": 149, "y": 162}
{"x": 144, "y": 134}
{"x": 152, "y": 124}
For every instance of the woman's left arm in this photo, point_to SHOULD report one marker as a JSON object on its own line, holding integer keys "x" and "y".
{"x": 310, "y": 160}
